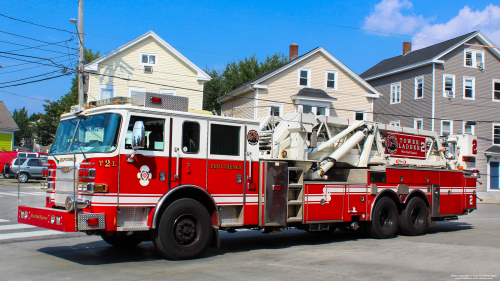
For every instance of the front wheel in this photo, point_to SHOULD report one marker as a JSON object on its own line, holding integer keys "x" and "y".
{"x": 121, "y": 241}
{"x": 384, "y": 222}
{"x": 23, "y": 177}
{"x": 413, "y": 219}
{"x": 184, "y": 230}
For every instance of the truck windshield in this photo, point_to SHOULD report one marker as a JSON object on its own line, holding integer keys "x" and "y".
{"x": 96, "y": 133}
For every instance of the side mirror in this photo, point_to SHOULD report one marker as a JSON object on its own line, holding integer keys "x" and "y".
{"x": 138, "y": 139}
{"x": 138, "y": 136}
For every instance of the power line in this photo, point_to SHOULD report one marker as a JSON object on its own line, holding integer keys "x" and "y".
{"x": 33, "y": 39}
{"x": 30, "y": 67}
{"x": 14, "y": 65}
{"x": 35, "y": 47}
{"x": 66, "y": 74}
{"x": 39, "y": 25}
{"x": 22, "y": 96}
{"x": 16, "y": 5}
{"x": 30, "y": 77}
{"x": 43, "y": 15}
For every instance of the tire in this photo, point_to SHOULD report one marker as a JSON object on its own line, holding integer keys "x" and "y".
{"x": 5, "y": 176}
{"x": 184, "y": 230}
{"x": 384, "y": 223}
{"x": 121, "y": 241}
{"x": 24, "y": 177}
{"x": 413, "y": 220}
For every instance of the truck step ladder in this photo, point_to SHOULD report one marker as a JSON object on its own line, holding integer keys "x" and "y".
{"x": 295, "y": 194}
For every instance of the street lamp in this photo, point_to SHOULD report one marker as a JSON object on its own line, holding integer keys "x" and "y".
{"x": 73, "y": 20}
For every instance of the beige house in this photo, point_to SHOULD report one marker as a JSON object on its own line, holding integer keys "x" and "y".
{"x": 146, "y": 64}
{"x": 315, "y": 82}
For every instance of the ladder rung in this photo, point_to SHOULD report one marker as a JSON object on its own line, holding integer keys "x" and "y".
{"x": 295, "y": 185}
{"x": 297, "y": 169}
{"x": 294, "y": 219}
{"x": 295, "y": 202}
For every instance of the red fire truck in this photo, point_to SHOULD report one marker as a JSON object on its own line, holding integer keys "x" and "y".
{"x": 143, "y": 169}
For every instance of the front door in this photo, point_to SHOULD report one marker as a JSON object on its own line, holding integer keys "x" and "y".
{"x": 494, "y": 175}
{"x": 189, "y": 151}
{"x": 145, "y": 180}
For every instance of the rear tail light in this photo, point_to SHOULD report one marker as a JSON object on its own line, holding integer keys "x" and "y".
{"x": 45, "y": 173}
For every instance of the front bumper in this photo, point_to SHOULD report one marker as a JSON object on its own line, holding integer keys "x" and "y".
{"x": 60, "y": 220}
{"x": 49, "y": 218}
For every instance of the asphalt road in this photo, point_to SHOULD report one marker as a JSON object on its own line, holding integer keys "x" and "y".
{"x": 467, "y": 249}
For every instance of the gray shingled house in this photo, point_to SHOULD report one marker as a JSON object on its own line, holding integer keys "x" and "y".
{"x": 452, "y": 87}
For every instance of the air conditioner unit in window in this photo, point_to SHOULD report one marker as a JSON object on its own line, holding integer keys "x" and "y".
{"x": 480, "y": 65}
{"x": 448, "y": 94}
{"x": 148, "y": 69}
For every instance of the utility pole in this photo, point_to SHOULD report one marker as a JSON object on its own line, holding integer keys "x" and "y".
{"x": 80, "y": 55}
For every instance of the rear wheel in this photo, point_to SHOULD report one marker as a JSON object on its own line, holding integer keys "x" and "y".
{"x": 413, "y": 219}
{"x": 384, "y": 222}
{"x": 184, "y": 230}
{"x": 121, "y": 241}
{"x": 23, "y": 177}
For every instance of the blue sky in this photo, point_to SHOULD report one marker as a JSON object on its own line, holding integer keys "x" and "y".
{"x": 212, "y": 33}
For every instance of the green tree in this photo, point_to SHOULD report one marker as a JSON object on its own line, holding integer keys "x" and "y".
{"x": 235, "y": 74}
{"x": 46, "y": 127}
{"x": 23, "y": 122}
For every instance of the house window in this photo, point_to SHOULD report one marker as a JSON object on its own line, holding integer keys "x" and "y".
{"x": 331, "y": 80}
{"x": 135, "y": 90}
{"x": 469, "y": 84}
{"x": 307, "y": 109}
{"x": 446, "y": 127}
{"x": 395, "y": 93}
{"x": 419, "y": 87}
{"x": 359, "y": 115}
{"x": 418, "y": 123}
{"x": 148, "y": 59}
{"x": 496, "y": 90}
{"x": 496, "y": 134}
{"x": 304, "y": 77}
{"x": 474, "y": 58}
{"x": 168, "y": 92}
{"x": 106, "y": 91}
{"x": 320, "y": 110}
{"x": 449, "y": 86}
{"x": 275, "y": 110}
{"x": 395, "y": 123}
{"x": 467, "y": 129}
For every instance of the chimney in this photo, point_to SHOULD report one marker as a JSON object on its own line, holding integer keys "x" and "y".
{"x": 406, "y": 48}
{"x": 294, "y": 51}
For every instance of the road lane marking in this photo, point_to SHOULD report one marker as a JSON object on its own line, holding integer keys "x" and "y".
{"x": 10, "y": 194}
{"x": 29, "y": 234}
{"x": 15, "y": 226}
{"x": 26, "y": 193}
{"x": 2, "y": 220}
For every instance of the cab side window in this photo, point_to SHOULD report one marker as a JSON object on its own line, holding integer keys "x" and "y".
{"x": 155, "y": 133}
{"x": 224, "y": 140}
{"x": 191, "y": 137}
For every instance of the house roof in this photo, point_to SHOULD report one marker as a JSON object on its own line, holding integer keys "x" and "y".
{"x": 6, "y": 120}
{"x": 494, "y": 149}
{"x": 422, "y": 56}
{"x": 313, "y": 93}
{"x": 202, "y": 75}
{"x": 254, "y": 82}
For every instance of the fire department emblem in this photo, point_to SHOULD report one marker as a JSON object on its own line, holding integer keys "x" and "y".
{"x": 392, "y": 144}
{"x": 144, "y": 175}
{"x": 253, "y": 137}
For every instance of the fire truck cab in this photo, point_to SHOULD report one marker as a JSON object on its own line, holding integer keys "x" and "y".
{"x": 145, "y": 169}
